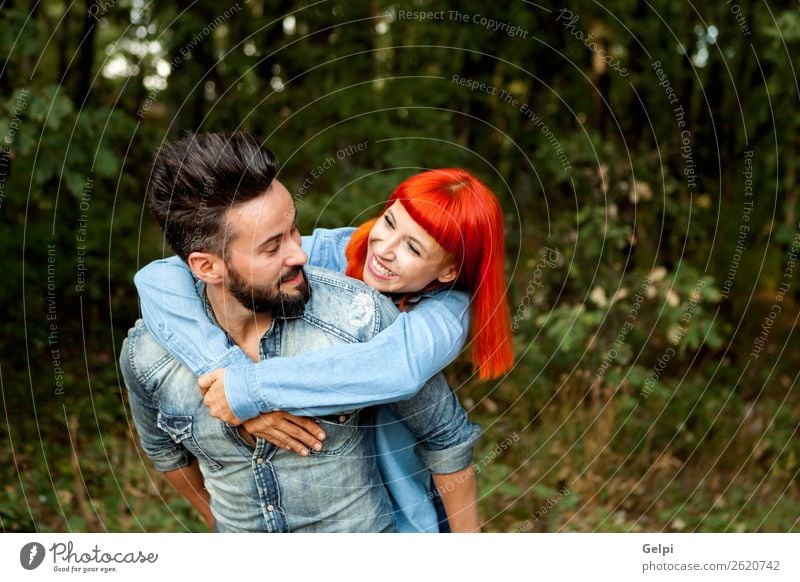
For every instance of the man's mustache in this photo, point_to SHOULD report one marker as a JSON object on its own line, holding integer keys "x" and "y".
{"x": 291, "y": 274}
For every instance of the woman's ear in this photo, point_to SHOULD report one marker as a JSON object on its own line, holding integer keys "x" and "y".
{"x": 448, "y": 275}
{"x": 207, "y": 267}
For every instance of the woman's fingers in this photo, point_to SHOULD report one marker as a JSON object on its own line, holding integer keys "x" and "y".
{"x": 287, "y": 431}
{"x": 281, "y": 439}
{"x": 205, "y": 381}
{"x": 300, "y": 432}
{"x": 308, "y": 426}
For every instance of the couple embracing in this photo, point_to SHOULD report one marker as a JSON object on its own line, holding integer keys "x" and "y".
{"x": 288, "y": 383}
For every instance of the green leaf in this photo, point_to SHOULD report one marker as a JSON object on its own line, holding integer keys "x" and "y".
{"x": 60, "y": 108}
{"x": 106, "y": 163}
{"x": 74, "y": 182}
{"x": 46, "y": 167}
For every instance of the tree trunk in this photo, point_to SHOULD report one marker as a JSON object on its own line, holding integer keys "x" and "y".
{"x": 85, "y": 61}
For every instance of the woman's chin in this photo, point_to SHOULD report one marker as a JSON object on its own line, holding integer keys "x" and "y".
{"x": 378, "y": 285}
{"x": 382, "y": 285}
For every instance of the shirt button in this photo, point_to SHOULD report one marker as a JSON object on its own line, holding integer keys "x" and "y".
{"x": 270, "y": 507}
{"x": 260, "y": 462}
{"x": 342, "y": 418}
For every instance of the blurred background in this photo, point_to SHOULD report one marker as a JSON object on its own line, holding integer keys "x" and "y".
{"x": 646, "y": 156}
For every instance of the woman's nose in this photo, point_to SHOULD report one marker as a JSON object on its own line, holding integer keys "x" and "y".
{"x": 384, "y": 248}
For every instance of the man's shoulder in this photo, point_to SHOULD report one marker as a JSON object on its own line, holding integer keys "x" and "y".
{"x": 326, "y": 247}
{"x": 338, "y": 237}
{"x": 142, "y": 356}
{"x": 347, "y": 304}
{"x": 333, "y": 280}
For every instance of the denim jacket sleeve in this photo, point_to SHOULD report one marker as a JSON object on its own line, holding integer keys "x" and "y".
{"x": 445, "y": 436}
{"x": 175, "y": 315}
{"x": 392, "y": 366}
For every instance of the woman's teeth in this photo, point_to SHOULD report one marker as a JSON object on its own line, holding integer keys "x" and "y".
{"x": 378, "y": 267}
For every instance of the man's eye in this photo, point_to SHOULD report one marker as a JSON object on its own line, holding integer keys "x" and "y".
{"x": 273, "y": 250}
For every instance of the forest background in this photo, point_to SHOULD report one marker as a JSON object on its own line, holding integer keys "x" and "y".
{"x": 646, "y": 157}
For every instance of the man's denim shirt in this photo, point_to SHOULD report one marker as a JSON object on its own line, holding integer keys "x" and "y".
{"x": 261, "y": 487}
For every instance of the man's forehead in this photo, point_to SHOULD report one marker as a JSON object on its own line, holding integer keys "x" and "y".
{"x": 268, "y": 215}
{"x": 271, "y": 206}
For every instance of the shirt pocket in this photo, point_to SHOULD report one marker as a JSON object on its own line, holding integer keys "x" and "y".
{"x": 341, "y": 433}
{"x": 179, "y": 429}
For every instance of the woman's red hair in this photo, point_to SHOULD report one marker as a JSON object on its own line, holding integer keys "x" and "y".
{"x": 464, "y": 217}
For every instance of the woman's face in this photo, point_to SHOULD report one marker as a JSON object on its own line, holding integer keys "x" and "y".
{"x": 402, "y": 257}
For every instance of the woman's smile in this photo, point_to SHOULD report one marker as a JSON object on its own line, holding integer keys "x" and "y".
{"x": 379, "y": 270}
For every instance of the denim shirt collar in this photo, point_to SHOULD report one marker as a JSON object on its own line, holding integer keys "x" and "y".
{"x": 414, "y": 299}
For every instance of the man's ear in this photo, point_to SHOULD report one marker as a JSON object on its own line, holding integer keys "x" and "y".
{"x": 207, "y": 267}
{"x": 449, "y": 274}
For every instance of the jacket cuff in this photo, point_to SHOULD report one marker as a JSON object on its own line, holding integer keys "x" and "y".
{"x": 243, "y": 401}
{"x": 453, "y": 459}
{"x": 170, "y": 460}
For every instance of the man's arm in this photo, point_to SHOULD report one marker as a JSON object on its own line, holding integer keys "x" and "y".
{"x": 445, "y": 439}
{"x": 189, "y": 482}
{"x": 459, "y": 494}
{"x": 170, "y": 458}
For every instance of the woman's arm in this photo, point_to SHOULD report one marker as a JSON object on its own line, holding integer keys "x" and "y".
{"x": 392, "y": 366}
{"x": 176, "y": 316}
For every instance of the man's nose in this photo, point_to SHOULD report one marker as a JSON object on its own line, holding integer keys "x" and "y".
{"x": 295, "y": 255}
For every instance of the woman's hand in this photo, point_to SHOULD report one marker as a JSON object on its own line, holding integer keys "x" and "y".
{"x": 284, "y": 430}
{"x": 212, "y": 386}
{"x": 287, "y": 431}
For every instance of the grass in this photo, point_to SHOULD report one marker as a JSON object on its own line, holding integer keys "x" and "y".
{"x": 579, "y": 463}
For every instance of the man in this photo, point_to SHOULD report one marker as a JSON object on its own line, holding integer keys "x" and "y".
{"x": 225, "y": 214}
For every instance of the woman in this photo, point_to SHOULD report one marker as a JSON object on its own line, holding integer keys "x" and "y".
{"x": 440, "y": 235}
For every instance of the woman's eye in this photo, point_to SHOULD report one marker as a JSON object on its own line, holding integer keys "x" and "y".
{"x": 413, "y": 249}
{"x": 388, "y": 221}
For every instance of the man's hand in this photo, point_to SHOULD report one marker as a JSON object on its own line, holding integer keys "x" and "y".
{"x": 212, "y": 386}
{"x": 287, "y": 431}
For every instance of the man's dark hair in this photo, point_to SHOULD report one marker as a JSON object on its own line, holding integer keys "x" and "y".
{"x": 198, "y": 178}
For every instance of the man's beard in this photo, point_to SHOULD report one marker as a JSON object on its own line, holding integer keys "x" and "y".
{"x": 267, "y": 300}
